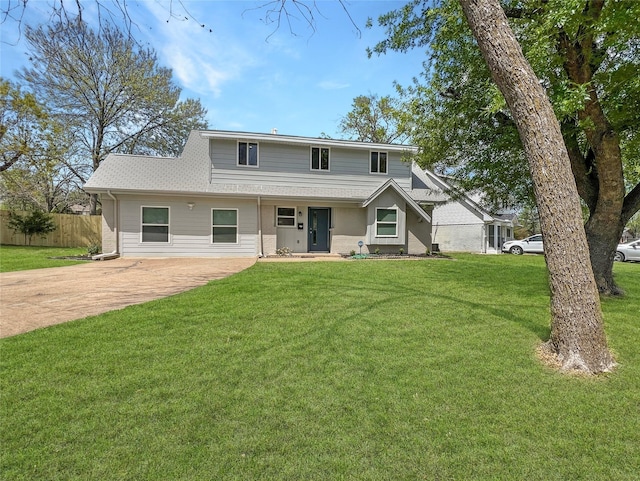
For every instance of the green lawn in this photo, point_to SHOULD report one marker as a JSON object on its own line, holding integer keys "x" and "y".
{"x": 20, "y": 258}
{"x": 364, "y": 370}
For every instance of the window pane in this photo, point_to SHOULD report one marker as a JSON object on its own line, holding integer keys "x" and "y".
{"x": 383, "y": 162}
{"x": 286, "y": 221}
{"x": 315, "y": 158}
{"x": 374, "y": 161}
{"x": 153, "y": 233}
{"x": 324, "y": 161}
{"x": 287, "y": 211}
{"x": 386, "y": 215}
{"x": 225, "y": 217}
{"x": 155, "y": 215}
{"x": 386, "y": 229}
{"x": 225, "y": 235}
{"x": 242, "y": 153}
{"x": 253, "y": 154}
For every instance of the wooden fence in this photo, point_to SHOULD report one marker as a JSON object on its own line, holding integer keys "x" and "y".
{"x": 71, "y": 231}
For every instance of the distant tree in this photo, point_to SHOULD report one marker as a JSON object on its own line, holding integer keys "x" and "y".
{"x": 110, "y": 95}
{"x": 34, "y": 223}
{"x": 34, "y": 148}
{"x": 374, "y": 119}
{"x": 20, "y": 117}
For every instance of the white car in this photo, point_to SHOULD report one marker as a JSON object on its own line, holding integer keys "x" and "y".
{"x": 628, "y": 252}
{"x": 519, "y": 247}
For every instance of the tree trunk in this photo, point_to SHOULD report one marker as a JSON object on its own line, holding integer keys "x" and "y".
{"x": 577, "y": 328}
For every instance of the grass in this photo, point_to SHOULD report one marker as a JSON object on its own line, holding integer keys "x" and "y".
{"x": 20, "y": 258}
{"x": 325, "y": 371}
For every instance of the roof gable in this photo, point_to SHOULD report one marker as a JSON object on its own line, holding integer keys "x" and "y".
{"x": 391, "y": 184}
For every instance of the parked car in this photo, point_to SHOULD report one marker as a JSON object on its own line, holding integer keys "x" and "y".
{"x": 628, "y": 252}
{"x": 519, "y": 247}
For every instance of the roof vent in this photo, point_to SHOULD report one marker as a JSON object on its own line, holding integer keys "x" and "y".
{"x": 274, "y": 131}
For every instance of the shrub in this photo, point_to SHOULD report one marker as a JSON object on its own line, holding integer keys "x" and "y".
{"x": 36, "y": 223}
{"x": 94, "y": 249}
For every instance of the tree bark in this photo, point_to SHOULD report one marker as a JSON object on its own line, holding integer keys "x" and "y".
{"x": 577, "y": 328}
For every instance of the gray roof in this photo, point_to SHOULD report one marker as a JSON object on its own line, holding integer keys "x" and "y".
{"x": 190, "y": 174}
{"x": 151, "y": 174}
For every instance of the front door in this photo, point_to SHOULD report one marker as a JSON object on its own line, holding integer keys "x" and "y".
{"x": 318, "y": 230}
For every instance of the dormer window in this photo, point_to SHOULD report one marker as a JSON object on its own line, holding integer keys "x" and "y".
{"x": 319, "y": 158}
{"x": 248, "y": 154}
{"x": 378, "y": 163}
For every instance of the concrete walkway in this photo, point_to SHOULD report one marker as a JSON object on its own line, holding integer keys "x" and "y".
{"x": 44, "y": 297}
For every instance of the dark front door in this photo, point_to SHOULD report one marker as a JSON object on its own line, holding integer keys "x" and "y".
{"x": 318, "y": 230}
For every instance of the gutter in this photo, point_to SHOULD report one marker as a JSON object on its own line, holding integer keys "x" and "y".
{"x": 114, "y": 254}
{"x": 260, "y": 244}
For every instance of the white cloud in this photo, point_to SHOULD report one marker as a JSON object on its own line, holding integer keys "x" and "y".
{"x": 202, "y": 61}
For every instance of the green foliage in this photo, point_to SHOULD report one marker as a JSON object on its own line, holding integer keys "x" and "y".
{"x": 459, "y": 118}
{"x": 20, "y": 116}
{"x": 94, "y": 249}
{"x": 325, "y": 371}
{"x": 374, "y": 119}
{"x": 34, "y": 223}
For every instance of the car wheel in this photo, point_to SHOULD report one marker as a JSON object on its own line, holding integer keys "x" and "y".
{"x": 516, "y": 250}
{"x": 619, "y": 256}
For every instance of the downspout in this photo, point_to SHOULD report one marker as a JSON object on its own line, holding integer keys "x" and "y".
{"x": 260, "y": 243}
{"x": 116, "y": 218}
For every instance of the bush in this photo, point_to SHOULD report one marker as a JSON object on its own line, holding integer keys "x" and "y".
{"x": 94, "y": 249}
{"x": 36, "y": 223}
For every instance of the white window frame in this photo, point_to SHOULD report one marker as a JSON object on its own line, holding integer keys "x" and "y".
{"x": 278, "y": 217}
{"x": 386, "y": 154}
{"x": 237, "y": 226}
{"x": 142, "y": 224}
{"x": 320, "y": 149}
{"x": 386, "y": 222}
{"x": 248, "y": 142}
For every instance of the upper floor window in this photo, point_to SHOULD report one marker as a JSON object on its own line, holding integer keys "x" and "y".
{"x": 378, "y": 163}
{"x": 248, "y": 154}
{"x": 319, "y": 158}
{"x": 386, "y": 222}
{"x": 155, "y": 224}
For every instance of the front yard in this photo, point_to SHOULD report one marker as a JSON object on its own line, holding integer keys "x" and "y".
{"x": 325, "y": 371}
{"x": 20, "y": 258}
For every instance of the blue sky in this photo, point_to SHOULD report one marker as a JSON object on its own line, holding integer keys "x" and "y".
{"x": 250, "y": 75}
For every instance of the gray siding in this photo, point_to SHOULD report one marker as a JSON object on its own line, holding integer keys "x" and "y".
{"x": 282, "y": 164}
{"x": 189, "y": 230}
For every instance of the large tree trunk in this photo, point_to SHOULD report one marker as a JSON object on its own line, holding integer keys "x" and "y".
{"x": 577, "y": 328}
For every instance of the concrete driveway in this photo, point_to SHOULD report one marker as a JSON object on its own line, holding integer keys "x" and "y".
{"x": 44, "y": 297}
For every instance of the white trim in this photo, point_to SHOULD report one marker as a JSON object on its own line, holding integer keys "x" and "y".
{"x": 237, "y": 226}
{"x": 386, "y": 172}
{"x": 168, "y": 224}
{"x": 385, "y": 222}
{"x": 248, "y": 142}
{"x": 320, "y": 149}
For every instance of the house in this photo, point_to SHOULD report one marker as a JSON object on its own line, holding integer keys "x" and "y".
{"x": 251, "y": 194}
{"x": 462, "y": 225}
